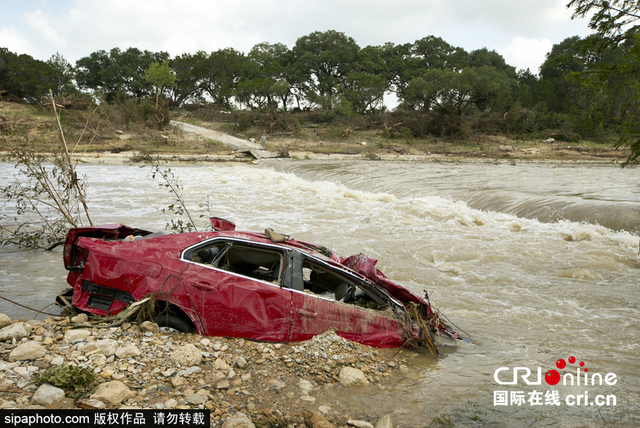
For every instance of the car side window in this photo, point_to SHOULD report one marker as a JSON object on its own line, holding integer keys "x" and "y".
{"x": 244, "y": 259}
{"x": 328, "y": 282}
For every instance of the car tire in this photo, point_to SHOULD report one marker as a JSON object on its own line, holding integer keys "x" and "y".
{"x": 173, "y": 322}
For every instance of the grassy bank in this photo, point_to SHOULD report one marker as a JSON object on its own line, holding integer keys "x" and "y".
{"x": 117, "y": 129}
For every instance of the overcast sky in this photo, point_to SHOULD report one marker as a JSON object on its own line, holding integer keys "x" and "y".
{"x": 523, "y": 31}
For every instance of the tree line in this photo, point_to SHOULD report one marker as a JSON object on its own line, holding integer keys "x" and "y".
{"x": 586, "y": 87}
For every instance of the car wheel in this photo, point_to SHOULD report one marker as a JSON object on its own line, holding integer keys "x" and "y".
{"x": 173, "y": 322}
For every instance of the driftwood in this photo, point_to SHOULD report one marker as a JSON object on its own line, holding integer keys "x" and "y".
{"x": 117, "y": 320}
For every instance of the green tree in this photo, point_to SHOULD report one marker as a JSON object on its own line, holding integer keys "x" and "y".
{"x": 264, "y": 83}
{"x": 611, "y": 18}
{"x": 117, "y": 73}
{"x": 325, "y": 59}
{"x": 160, "y": 76}
{"x": 557, "y": 90}
{"x": 222, "y": 73}
{"x": 190, "y": 71}
{"x": 614, "y": 22}
{"x": 25, "y": 78}
{"x": 409, "y": 61}
{"x": 449, "y": 95}
{"x": 62, "y": 73}
{"x": 366, "y": 85}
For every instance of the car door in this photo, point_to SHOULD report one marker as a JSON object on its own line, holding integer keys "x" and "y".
{"x": 332, "y": 298}
{"x": 236, "y": 291}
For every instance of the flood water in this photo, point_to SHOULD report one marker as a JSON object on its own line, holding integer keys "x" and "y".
{"x": 536, "y": 262}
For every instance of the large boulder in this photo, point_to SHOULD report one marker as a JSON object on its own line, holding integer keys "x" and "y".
{"x": 127, "y": 351}
{"x": 15, "y": 331}
{"x": 4, "y": 320}
{"x": 106, "y": 347}
{"x": 27, "y": 351}
{"x": 238, "y": 420}
{"x": 187, "y": 355}
{"x": 47, "y": 395}
{"x": 112, "y": 393}
{"x": 73, "y": 335}
{"x": 352, "y": 376}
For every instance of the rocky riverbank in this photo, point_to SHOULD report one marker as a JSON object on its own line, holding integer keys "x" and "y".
{"x": 243, "y": 383}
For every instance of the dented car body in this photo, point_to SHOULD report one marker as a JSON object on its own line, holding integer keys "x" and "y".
{"x": 245, "y": 284}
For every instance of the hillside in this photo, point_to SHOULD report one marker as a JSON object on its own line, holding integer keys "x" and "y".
{"x": 111, "y": 129}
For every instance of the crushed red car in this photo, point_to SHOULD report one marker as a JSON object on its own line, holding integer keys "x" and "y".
{"x": 261, "y": 286}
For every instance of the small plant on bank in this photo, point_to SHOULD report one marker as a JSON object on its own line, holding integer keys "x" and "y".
{"x": 69, "y": 378}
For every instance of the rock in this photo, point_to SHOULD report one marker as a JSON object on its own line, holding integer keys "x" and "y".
{"x": 98, "y": 360}
{"x": 168, "y": 372}
{"x": 359, "y": 424}
{"x": 171, "y": 403}
{"x": 79, "y": 319}
{"x": 22, "y": 371}
{"x": 196, "y": 399}
{"x": 241, "y": 363}
{"x": 238, "y": 420}
{"x": 57, "y": 362}
{"x": 177, "y": 381}
{"x": 47, "y": 395}
{"x": 187, "y": 355}
{"x": 106, "y": 347}
{"x": 150, "y": 327}
{"x": 127, "y": 351}
{"x": 112, "y": 393}
{"x": 352, "y": 376}
{"x": 15, "y": 331}
{"x": 73, "y": 335}
{"x": 305, "y": 385}
{"x": 27, "y": 351}
{"x": 220, "y": 364}
{"x": 223, "y": 384}
{"x": 94, "y": 403}
{"x": 106, "y": 374}
{"x": 314, "y": 419}
{"x": 277, "y": 384}
{"x": 324, "y": 409}
{"x": 385, "y": 422}
{"x": 4, "y": 320}
{"x": 549, "y": 140}
{"x": 41, "y": 364}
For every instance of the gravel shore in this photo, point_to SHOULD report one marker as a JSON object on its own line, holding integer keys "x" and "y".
{"x": 244, "y": 383}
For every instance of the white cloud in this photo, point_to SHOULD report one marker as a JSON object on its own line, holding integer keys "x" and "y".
{"x": 13, "y": 40}
{"x": 526, "y": 53}
{"x": 39, "y": 23}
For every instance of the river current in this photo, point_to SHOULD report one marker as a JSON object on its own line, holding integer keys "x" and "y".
{"x": 535, "y": 262}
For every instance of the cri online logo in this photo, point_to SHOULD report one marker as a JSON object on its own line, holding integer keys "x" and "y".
{"x": 553, "y": 377}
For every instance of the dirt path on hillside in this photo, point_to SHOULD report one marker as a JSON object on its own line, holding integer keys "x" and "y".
{"x": 226, "y": 139}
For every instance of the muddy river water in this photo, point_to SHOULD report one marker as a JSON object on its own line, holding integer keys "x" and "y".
{"x": 536, "y": 262}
